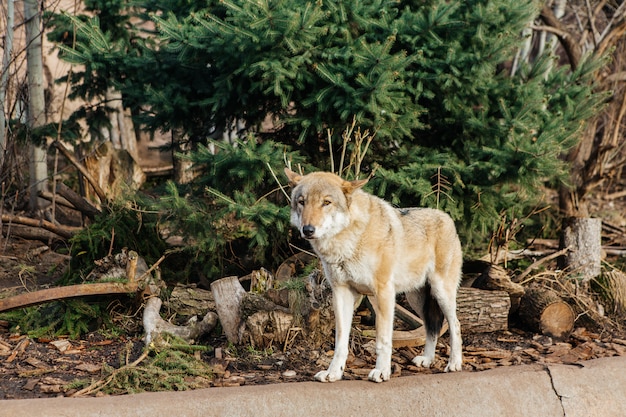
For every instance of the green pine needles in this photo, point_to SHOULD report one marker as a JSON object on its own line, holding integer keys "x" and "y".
{"x": 235, "y": 207}
{"x": 455, "y": 129}
{"x": 71, "y": 318}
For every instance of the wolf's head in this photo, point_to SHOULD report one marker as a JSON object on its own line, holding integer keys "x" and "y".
{"x": 320, "y": 203}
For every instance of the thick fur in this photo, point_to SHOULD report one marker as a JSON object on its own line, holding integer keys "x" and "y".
{"x": 367, "y": 247}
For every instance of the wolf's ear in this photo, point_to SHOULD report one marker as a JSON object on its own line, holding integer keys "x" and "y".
{"x": 350, "y": 186}
{"x": 294, "y": 178}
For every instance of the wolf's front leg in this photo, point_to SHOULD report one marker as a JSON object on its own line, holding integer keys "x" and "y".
{"x": 384, "y": 305}
{"x": 343, "y": 303}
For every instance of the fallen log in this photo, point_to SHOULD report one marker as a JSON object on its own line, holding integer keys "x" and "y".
{"x": 543, "y": 311}
{"x": 79, "y": 203}
{"x": 68, "y": 291}
{"x": 65, "y": 232}
{"x": 414, "y": 337}
{"x": 189, "y": 300}
{"x": 482, "y": 311}
{"x": 60, "y": 201}
{"x": 494, "y": 277}
{"x": 136, "y": 273}
{"x": 31, "y": 233}
{"x": 154, "y": 325}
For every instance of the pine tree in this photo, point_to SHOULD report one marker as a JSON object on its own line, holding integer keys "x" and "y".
{"x": 454, "y": 129}
{"x": 430, "y": 78}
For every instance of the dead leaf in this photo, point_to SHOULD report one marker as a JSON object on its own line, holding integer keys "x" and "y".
{"x": 620, "y": 341}
{"x": 19, "y": 349}
{"x": 620, "y": 349}
{"x": 89, "y": 367}
{"x": 49, "y": 389}
{"x": 50, "y": 380}
{"x": 532, "y": 353}
{"x": 36, "y": 363}
{"x": 31, "y": 384}
{"x": 51, "y": 385}
{"x": 61, "y": 345}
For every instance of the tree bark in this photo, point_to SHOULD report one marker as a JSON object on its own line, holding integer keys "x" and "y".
{"x": 228, "y": 293}
{"x": 4, "y": 77}
{"x": 64, "y": 231}
{"x": 81, "y": 168}
{"x": 183, "y": 167}
{"x": 69, "y": 291}
{"x": 121, "y": 133}
{"x": 494, "y": 277}
{"x": 36, "y": 100}
{"x": 78, "y": 202}
{"x": 31, "y": 233}
{"x": 481, "y": 311}
{"x": 543, "y": 311}
{"x": 269, "y": 326}
{"x": 583, "y": 238}
{"x": 154, "y": 325}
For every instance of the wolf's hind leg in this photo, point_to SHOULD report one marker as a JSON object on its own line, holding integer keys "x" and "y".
{"x": 427, "y": 308}
{"x": 446, "y": 300}
{"x": 448, "y": 306}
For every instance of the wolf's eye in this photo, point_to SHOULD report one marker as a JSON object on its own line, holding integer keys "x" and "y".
{"x": 326, "y": 203}
{"x": 301, "y": 202}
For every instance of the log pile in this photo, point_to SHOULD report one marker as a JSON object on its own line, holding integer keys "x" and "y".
{"x": 268, "y": 315}
{"x": 273, "y": 315}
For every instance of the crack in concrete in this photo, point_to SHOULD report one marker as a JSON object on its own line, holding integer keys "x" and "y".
{"x": 559, "y": 396}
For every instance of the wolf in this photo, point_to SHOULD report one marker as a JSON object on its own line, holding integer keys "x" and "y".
{"x": 367, "y": 247}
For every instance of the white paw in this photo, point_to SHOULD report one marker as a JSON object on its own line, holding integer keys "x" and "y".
{"x": 454, "y": 366}
{"x": 377, "y": 375}
{"x": 327, "y": 376}
{"x": 422, "y": 361}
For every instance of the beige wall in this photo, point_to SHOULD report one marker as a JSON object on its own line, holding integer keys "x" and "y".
{"x": 58, "y": 107}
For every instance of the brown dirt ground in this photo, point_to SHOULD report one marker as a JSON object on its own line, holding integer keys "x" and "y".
{"x": 33, "y": 368}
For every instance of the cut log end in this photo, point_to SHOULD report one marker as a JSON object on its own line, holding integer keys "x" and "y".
{"x": 543, "y": 311}
{"x": 557, "y": 320}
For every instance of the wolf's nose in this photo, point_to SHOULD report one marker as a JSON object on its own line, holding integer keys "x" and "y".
{"x": 308, "y": 230}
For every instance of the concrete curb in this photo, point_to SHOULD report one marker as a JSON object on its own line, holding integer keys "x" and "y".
{"x": 591, "y": 388}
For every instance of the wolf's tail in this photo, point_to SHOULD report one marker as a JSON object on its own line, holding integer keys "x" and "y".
{"x": 432, "y": 314}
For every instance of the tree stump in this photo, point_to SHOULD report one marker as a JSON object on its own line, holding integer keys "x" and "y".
{"x": 228, "y": 293}
{"x": 543, "y": 311}
{"x": 268, "y": 326}
{"x": 481, "y": 311}
{"x": 583, "y": 238}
